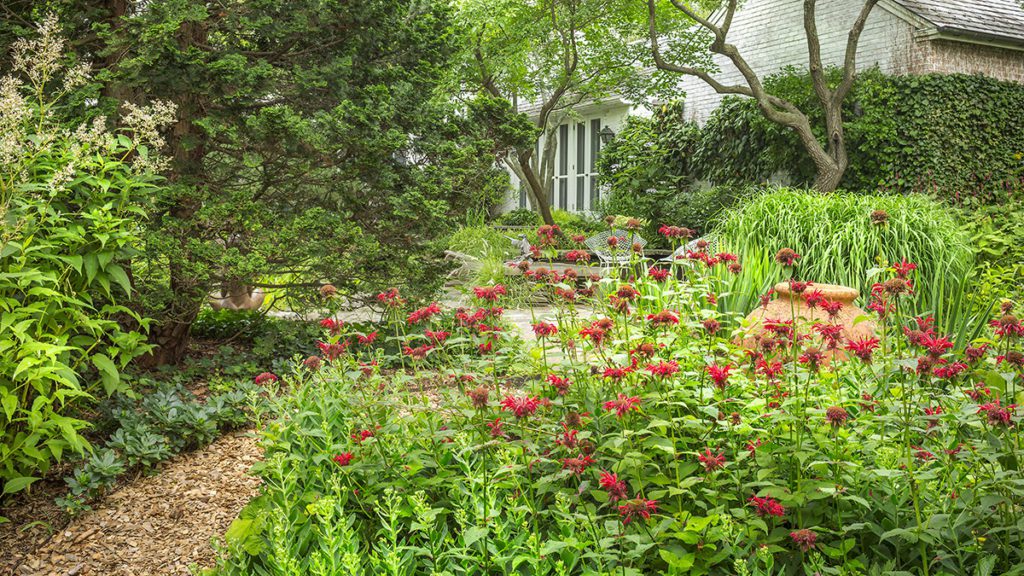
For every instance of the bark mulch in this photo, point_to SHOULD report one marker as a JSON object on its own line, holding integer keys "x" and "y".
{"x": 160, "y": 524}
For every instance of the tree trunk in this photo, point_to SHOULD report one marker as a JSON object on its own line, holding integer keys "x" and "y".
{"x": 170, "y": 336}
{"x": 827, "y": 179}
{"x": 538, "y": 192}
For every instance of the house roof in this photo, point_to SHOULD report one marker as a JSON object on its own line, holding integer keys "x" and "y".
{"x": 997, "y": 20}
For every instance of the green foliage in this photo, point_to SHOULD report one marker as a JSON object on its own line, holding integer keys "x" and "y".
{"x": 519, "y": 217}
{"x": 956, "y": 136}
{"x": 662, "y": 465}
{"x": 310, "y": 140}
{"x": 165, "y": 421}
{"x": 840, "y": 245}
{"x": 263, "y": 341}
{"x": 70, "y": 204}
{"x": 997, "y": 234}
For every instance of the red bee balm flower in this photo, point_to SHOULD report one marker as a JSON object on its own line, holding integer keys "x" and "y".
{"x": 836, "y": 416}
{"x": 390, "y": 298}
{"x": 417, "y": 353}
{"x": 719, "y": 375}
{"x": 544, "y": 329}
{"x": 663, "y": 369}
{"x": 658, "y": 274}
{"x": 359, "y": 436}
{"x": 437, "y": 337}
{"x": 623, "y": 404}
{"x": 577, "y": 256}
{"x": 711, "y": 326}
{"x": 490, "y": 293}
{"x": 578, "y": 464}
{"x": 424, "y": 313}
{"x": 344, "y": 459}
{"x": 560, "y": 384}
{"x": 521, "y": 406}
{"x": 767, "y": 506}
{"x": 265, "y": 378}
{"x": 331, "y": 325}
{"x": 863, "y": 348}
{"x": 787, "y": 257}
{"x": 904, "y": 268}
{"x": 804, "y": 539}
{"x": 637, "y": 508}
{"x": 710, "y": 460}
{"x": 616, "y": 488}
{"x": 663, "y": 318}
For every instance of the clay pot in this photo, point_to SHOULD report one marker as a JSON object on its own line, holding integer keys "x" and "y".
{"x": 788, "y": 305}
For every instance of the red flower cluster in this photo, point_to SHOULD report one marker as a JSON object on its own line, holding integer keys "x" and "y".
{"x": 710, "y": 460}
{"x": 331, "y": 351}
{"x": 424, "y": 313}
{"x": 787, "y": 257}
{"x": 804, "y": 539}
{"x": 1008, "y": 326}
{"x": 719, "y": 375}
{"x": 417, "y": 353}
{"x": 331, "y": 325}
{"x": 437, "y": 337}
{"x": 312, "y": 363}
{"x": 367, "y": 339}
{"x": 674, "y": 232}
{"x": 609, "y": 481}
{"x": 521, "y": 406}
{"x": 561, "y": 384}
{"x": 658, "y": 274}
{"x": 390, "y": 298}
{"x": 577, "y": 256}
{"x": 623, "y": 404}
{"x": 863, "y": 348}
{"x": 344, "y": 459}
{"x": 637, "y": 508}
{"x": 578, "y": 464}
{"x": 997, "y": 415}
{"x": 265, "y": 378}
{"x": 663, "y": 319}
{"x": 360, "y": 435}
{"x": 544, "y": 329}
{"x": 616, "y": 373}
{"x": 663, "y": 369}
{"x": 548, "y": 234}
{"x": 836, "y": 416}
{"x": 490, "y": 293}
{"x": 767, "y": 506}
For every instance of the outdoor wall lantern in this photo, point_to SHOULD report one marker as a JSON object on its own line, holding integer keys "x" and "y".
{"x": 606, "y": 135}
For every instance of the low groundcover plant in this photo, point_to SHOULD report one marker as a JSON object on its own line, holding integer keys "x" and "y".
{"x": 647, "y": 439}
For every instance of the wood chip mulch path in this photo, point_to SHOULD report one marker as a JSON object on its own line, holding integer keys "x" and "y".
{"x": 161, "y": 524}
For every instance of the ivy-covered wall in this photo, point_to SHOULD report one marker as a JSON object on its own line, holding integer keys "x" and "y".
{"x": 958, "y": 136}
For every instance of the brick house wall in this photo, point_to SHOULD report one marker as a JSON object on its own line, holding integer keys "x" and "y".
{"x": 945, "y": 56}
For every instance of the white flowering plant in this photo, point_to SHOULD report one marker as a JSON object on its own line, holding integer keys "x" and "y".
{"x": 71, "y": 202}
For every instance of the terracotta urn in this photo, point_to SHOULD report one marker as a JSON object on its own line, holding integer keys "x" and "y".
{"x": 788, "y": 306}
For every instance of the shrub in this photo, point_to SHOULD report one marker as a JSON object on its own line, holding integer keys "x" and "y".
{"x": 651, "y": 442}
{"x": 70, "y": 202}
{"x": 957, "y": 136}
{"x": 840, "y": 245}
{"x": 519, "y": 217}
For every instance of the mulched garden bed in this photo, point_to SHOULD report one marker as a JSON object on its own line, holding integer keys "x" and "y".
{"x": 160, "y": 524}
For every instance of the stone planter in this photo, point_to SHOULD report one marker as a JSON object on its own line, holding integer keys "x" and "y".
{"x": 788, "y": 305}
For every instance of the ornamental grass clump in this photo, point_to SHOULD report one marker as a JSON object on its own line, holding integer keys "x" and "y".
{"x": 647, "y": 439}
{"x": 848, "y": 239}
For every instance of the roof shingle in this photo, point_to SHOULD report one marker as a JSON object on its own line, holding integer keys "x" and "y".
{"x": 1001, "y": 19}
